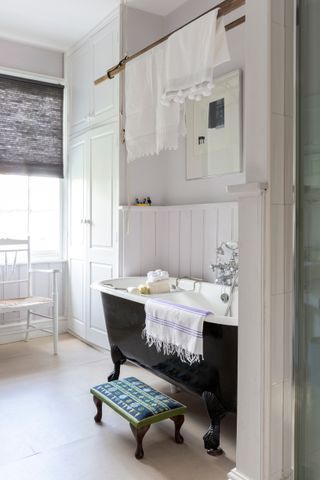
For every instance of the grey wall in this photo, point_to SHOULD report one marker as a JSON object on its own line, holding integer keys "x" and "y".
{"x": 178, "y": 189}
{"x": 163, "y": 177}
{"x": 144, "y": 176}
{"x": 30, "y": 58}
{"x": 142, "y": 28}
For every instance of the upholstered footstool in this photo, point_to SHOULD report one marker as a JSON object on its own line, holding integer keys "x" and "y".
{"x": 140, "y": 405}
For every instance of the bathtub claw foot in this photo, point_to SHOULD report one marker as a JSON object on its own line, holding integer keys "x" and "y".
{"x": 215, "y": 453}
{"x": 118, "y": 359}
{"x": 216, "y": 412}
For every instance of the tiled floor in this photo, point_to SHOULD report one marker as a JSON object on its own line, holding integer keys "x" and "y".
{"x": 47, "y": 430}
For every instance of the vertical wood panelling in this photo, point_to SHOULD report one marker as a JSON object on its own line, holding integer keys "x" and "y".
{"x": 197, "y": 239}
{"x": 148, "y": 241}
{"x": 162, "y": 236}
{"x": 210, "y": 234}
{"x": 131, "y": 221}
{"x": 174, "y": 241}
{"x": 235, "y": 225}
{"x": 224, "y": 224}
{"x": 185, "y": 243}
{"x": 182, "y": 240}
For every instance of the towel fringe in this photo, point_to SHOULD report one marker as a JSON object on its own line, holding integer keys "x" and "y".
{"x": 170, "y": 349}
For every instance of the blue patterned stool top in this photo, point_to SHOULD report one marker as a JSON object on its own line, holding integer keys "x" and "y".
{"x": 137, "y": 402}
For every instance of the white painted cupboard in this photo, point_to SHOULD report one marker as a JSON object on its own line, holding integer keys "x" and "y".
{"x": 93, "y": 177}
{"x": 91, "y": 105}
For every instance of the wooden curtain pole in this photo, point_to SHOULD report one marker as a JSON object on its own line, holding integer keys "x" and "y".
{"x": 225, "y": 7}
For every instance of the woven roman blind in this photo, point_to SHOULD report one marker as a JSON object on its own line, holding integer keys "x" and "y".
{"x": 31, "y": 127}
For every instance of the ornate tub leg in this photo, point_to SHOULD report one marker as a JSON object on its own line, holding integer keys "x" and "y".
{"x": 216, "y": 412}
{"x": 118, "y": 359}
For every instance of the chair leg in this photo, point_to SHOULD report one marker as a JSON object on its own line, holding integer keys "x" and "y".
{"x": 55, "y": 315}
{"x": 138, "y": 434}
{"x": 55, "y": 330}
{"x": 26, "y": 338}
{"x": 98, "y": 404}
{"x": 178, "y": 422}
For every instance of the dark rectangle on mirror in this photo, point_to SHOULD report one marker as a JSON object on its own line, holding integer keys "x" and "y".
{"x": 216, "y": 114}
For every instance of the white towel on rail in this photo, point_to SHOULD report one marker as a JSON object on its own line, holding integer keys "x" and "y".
{"x": 192, "y": 53}
{"x": 175, "y": 329}
{"x": 150, "y": 127}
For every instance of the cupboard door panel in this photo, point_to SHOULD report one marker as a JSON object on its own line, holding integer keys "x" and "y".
{"x": 80, "y": 83}
{"x": 76, "y": 292}
{"x": 101, "y": 190}
{"x": 77, "y": 198}
{"x": 105, "y": 51}
{"x": 96, "y": 332}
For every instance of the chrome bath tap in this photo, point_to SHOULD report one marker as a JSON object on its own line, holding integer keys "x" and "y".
{"x": 227, "y": 271}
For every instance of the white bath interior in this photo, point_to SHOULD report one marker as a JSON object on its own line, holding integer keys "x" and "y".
{"x": 203, "y": 295}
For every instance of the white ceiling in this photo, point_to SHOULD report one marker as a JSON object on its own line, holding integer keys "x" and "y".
{"x": 159, "y": 7}
{"x": 58, "y": 24}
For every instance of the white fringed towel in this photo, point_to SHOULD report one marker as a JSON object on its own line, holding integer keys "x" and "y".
{"x": 175, "y": 329}
{"x": 150, "y": 126}
{"x": 191, "y": 55}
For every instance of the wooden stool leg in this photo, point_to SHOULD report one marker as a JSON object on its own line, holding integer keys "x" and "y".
{"x": 139, "y": 434}
{"x": 178, "y": 422}
{"x": 98, "y": 404}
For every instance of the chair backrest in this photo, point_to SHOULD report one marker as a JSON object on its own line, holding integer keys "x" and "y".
{"x": 14, "y": 252}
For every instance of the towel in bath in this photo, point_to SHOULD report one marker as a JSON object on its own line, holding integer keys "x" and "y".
{"x": 191, "y": 55}
{"x": 150, "y": 126}
{"x": 175, "y": 329}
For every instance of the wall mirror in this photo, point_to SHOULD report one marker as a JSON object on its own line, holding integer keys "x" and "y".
{"x": 214, "y": 133}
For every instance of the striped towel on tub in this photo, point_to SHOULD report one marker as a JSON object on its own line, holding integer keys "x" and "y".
{"x": 175, "y": 329}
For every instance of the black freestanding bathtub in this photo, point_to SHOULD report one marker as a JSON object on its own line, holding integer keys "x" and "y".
{"x": 214, "y": 378}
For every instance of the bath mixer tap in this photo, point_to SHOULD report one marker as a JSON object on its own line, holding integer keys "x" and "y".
{"x": 227, "y": 271}
{"x": 195, "y": 280}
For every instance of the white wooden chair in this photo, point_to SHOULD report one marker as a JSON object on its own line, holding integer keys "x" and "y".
{"x": 12, "y": 253}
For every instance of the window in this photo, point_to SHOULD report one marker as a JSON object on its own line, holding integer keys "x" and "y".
{"x": 32, "y": 205}
{"x": 31, "y": 126}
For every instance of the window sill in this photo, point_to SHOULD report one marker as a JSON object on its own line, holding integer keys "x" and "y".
{"x": 40, "y": 260}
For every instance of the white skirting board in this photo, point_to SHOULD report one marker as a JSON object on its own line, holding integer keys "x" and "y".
{"x": 15, "y": 332}
{"x": 181, "y": 239}
{"x": 235, "y": 475}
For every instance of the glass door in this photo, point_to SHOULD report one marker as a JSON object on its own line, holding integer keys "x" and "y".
{"x": 307, "y": 331}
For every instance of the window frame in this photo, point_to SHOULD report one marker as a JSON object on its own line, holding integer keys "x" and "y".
{"x": 48, "y": 256}
{"x": 36, "y": 257}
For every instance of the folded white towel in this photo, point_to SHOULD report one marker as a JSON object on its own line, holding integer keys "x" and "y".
{"x": 175, "y": 329}
{"x": 191, "y": 55}
{"x": 150, "y": 127}
{"x": 157, "y": 275}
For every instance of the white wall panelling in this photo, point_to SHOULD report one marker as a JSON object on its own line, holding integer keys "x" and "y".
{"x": 265, "y": 427}
{"x": 180, "y": 239}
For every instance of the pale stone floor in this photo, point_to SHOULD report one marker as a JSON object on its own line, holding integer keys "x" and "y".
{"x": 47, "y": 430}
